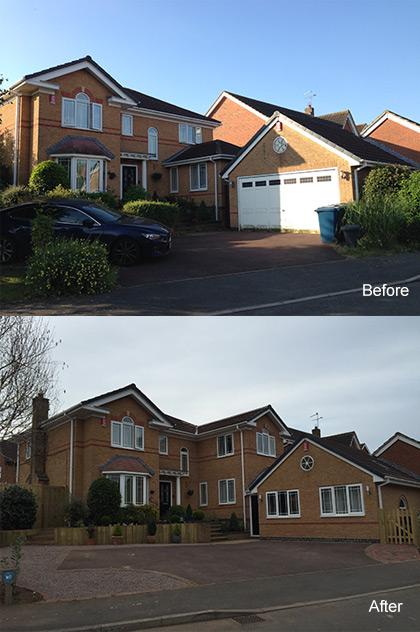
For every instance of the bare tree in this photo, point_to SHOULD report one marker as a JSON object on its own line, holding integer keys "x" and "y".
{"x": 26, "y": 369}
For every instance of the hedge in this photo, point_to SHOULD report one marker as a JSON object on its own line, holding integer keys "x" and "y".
{"x": 165, "y": 212}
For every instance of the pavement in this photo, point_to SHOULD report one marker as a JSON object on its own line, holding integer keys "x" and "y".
{"x": 249, "y": 275}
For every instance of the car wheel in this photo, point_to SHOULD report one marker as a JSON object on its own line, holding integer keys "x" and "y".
{"x": 125, "y": 252}
{"x": 7, "y": 250}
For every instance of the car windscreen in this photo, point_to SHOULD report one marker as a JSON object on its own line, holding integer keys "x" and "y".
{"x": 102, "y": 214}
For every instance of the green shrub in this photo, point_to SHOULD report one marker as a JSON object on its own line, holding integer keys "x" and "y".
{"x": 46, "y": 176}
{"x": 117, "y": 531}
{"x": 134, "y": 193}
{"x": 382, "y": 220}
{"x": 198, "y": 515}
{"x": 42, "y": 230}
{"x": 410, "y": 193}
{"x": 137, "y": 515}
{"x": 103, "y": 501}
{"x": 75, "y": 513}
{"x": 234, "y": 524}
{"x": 178, "y": 512}
{"x": 384, "y": 181}
{"x": 151, "y": 526}
{"x": 15, "y": 195}
{"x": 70, "y": 267}
{"x": 18, "y": 508}
{"x": 188, "y": 513}
{"x": 105, "y": 198}
{"x": 165, "y": 212}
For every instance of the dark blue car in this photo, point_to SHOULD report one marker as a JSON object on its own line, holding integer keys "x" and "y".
{"x": 128, "y": 238}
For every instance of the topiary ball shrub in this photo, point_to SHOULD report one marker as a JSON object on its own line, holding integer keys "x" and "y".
{"x": 15, "y": 195}
{"x": 384, "y": 181}
{"x": 104, "y": 501}
{"x": 70, "y": 267}
{"x": 198, "y": 516}
{"x": 46, "y": 176}
{"x": 18, "y": 508}
{"x": 176, "y": 513}
{"x": 165, "y": 212}
{"x": 75, "y": 513}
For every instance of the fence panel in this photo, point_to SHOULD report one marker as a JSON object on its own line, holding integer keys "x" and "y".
{"x": 399, "y": 527}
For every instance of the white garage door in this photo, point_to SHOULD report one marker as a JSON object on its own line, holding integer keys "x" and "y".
{"x": 287, "y": 200}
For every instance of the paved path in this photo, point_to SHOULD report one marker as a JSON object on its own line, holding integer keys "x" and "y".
{"x": 233, "y": 597}
{"x": 315, "y": 289}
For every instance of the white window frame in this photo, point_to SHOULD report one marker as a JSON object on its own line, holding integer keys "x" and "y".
{"x": 174, "y": 170}
{"x": 197, "y": 166}
{"x": 204, "y": 485}
{"x": 127, "y": 117}
{"x": 277, "y": 515}
{"x": 165, "y": 437}
{"x": 187, "y": 452}
{"x": 227, "y": 480}
{"x": 334, "y": 513}
{"x": 152, "y": 132}
{"x": 222, "y": 456}
{"x": 188, "y": 134}
{"x": 73, "y": 170}
{"x": 28, "y": 450}
{"x": 134, "y": 475}
{"x": 270, "y": 439}
{"x": 91, "y": 106}
{"x": 137, "y": 431}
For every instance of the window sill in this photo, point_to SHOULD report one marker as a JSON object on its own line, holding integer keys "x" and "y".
{"x": 198, "y": 190}
{"x": 164, "y": 453}
{"x": 283, "y": 517}
{"x": 232, "y": 502}
{"x": 120, "y": 447}
{"x": 350, "y": 515}
{"x": 223, "y": 456}
{"x": 85, "y": 129}
{"x": 273, "y": 456}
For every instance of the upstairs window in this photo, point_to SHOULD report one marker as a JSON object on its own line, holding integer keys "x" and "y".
{"x": 266, "y": 444}
{"x": 125, "y": 434}
{"x": 152, "y": 143}
{"x": 184, "y": 460}
{"x": 189, "y": 134}
{"x": 127, "y": 124}
{"x": 163, "y": 444}
{"x": 225, "y": 445}
{"x": 81, "y": 113}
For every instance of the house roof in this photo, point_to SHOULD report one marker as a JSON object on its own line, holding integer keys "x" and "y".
{"x": 79, "y": 145}
{"x": 245, "y": 417}
{"x": 360, "y": 127}
{"x": 8, "y": 449}
{"x": 359, "y": 147}
{"x": 152, "y": 103}
{"x": 398, "y": 436}
{"x": 210, "y": 149}
{"x": 346, "y": 438}
{"x": 360, "y": 458}
{"x": 397, "y": 118}
{"x": 123, "y": 463}
{"x": 336, "y": 117}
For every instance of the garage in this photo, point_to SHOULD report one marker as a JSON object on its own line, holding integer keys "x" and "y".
{"x": 286, "y": 201}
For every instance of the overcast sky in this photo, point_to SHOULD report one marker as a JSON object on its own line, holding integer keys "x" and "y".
{"x": 360, "y": 374}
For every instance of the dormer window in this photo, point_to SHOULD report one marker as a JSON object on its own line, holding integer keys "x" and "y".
{"x": 81, "y": 113}
{"x": 266, "y": 444}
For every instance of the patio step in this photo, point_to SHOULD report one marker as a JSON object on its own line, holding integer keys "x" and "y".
{"x": 44, "y": 537}
{"x": 217, "y": 534}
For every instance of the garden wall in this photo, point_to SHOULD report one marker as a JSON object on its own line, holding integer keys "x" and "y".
{"x": 133, "y": 534}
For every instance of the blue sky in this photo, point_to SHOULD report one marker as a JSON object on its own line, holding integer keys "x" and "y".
{"x": 360, "y": 54}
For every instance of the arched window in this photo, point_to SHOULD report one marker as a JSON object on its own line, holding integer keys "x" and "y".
{"x": 128, "y": 432}
{"x": 185, "y": 460}
{"x": 403, "y": 503}
{"x": 152, "y": 136}
{"x": 82, "y": 110}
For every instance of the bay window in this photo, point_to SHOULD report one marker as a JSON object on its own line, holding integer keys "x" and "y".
{"x": 125, "y": 434}
{"x": 81, "y": 113}
{"x": 283, "y": 504}
{"x": 133, "y": 487}
{"x": 84, "y": 174}
{"x": 341, "y": 500}
{"x": 198, "y": 177}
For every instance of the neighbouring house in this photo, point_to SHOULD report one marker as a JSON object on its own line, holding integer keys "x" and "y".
{"x": 109, "y": 137}
{"x": 402, "y": 450}
{"x": 344, "y": 119}
{"x": 8, "y": 452}
{"x": 291, "y": 162}
{"x": 398, "y": 133}
{"x": 325, "y": 488}
{"x": 281, "y": 481}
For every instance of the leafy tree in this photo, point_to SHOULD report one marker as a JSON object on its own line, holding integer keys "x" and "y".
{"x": 103, "y": 501}
{"x": 384, "y": 181}
{"x": 17, "y": 508}
{"x": 48, "y": 175}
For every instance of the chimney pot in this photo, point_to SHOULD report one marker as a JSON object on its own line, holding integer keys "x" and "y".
{"x": 310, "y": 110}
{"x": 316, "y": 432}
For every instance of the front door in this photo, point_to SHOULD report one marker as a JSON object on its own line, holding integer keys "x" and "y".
{"x": 129, "y": 177}
{"x": 255, "y": 520}
{"x": 165, "y": 493}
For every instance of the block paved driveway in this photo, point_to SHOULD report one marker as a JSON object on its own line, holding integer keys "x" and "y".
{"x": 215, "y": 563}
{"x": 226, "y": 252}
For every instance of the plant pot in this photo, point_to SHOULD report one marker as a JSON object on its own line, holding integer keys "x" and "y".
{"x": 91, "y": 541}
{"x": 151, "y": 539}
{"x": 117, "y": 539}
{"x": 352, "y": 234}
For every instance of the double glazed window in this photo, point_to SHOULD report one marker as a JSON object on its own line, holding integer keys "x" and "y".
{"x": 125, "y": 434}
{"x": 28, "y": 450}
{"x": 341, "y": 500}
{"x": 173, "y": 174}
{"x": 152, "y": 143}
{"x": 225, "y": 445}
{"x": 204, "y": 499}
{"x": 283, "y": 504}
{"x": 133, "y": 488}
{"x": 127, "y": 124}
{"x": 84, "y": 174}
{"x": 163, "y": 444}
{"x": 184, "y": 460}
{"x": 266, "y": 444}
{"x": 227, "y": 491}
{"x": 198, "y": 177}
{"x": 190, "y": 134}
{"x": 81, "y": 113}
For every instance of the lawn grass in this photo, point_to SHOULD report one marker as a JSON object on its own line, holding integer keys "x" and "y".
{"x": 12, "y": 283}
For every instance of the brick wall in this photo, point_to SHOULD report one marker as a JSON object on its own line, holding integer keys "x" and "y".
{"x": 391, "y": 495}
{"x": 403, "y": 454}
{"x": 8, "y": 471}
{"x": 238, "y": 123}
{"x": 399, "y": 138}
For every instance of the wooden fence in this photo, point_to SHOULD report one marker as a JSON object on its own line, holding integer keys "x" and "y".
{"x": 51, "y": 503}
{"x": 191, "y": 533}
{"x": 400, "y": 526}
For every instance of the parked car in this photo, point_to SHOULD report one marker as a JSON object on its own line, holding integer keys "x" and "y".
{"x": 128, "y": 238}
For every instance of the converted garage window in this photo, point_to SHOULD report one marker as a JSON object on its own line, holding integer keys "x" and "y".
{"x": 341, "y": 500}
{"x": 227, "y": 491}
{"x": 225, "y": 445}
{"x": 125, "y": 434}
{"x": 283, "y": 504}
{"x": 266, "y": 444}
{"x": 198, "y": 177}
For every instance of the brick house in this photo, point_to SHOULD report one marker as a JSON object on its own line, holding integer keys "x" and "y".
{"x": 8, "y": 452}
{"x": 291, "y": 162}
{"x": 396, "y": 132}
{"x": 109, "y": 137}
{"x": 402, "y": 450}
{"x": 237, "y": 464}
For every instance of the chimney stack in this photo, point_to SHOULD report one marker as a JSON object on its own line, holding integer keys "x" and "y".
{"x": 310, "y": 109}
{"x": 40, "y": 410}
{"x": 316, "y": 432}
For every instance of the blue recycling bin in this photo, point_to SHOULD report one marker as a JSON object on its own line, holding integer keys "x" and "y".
{"x": 328, "y": 219}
